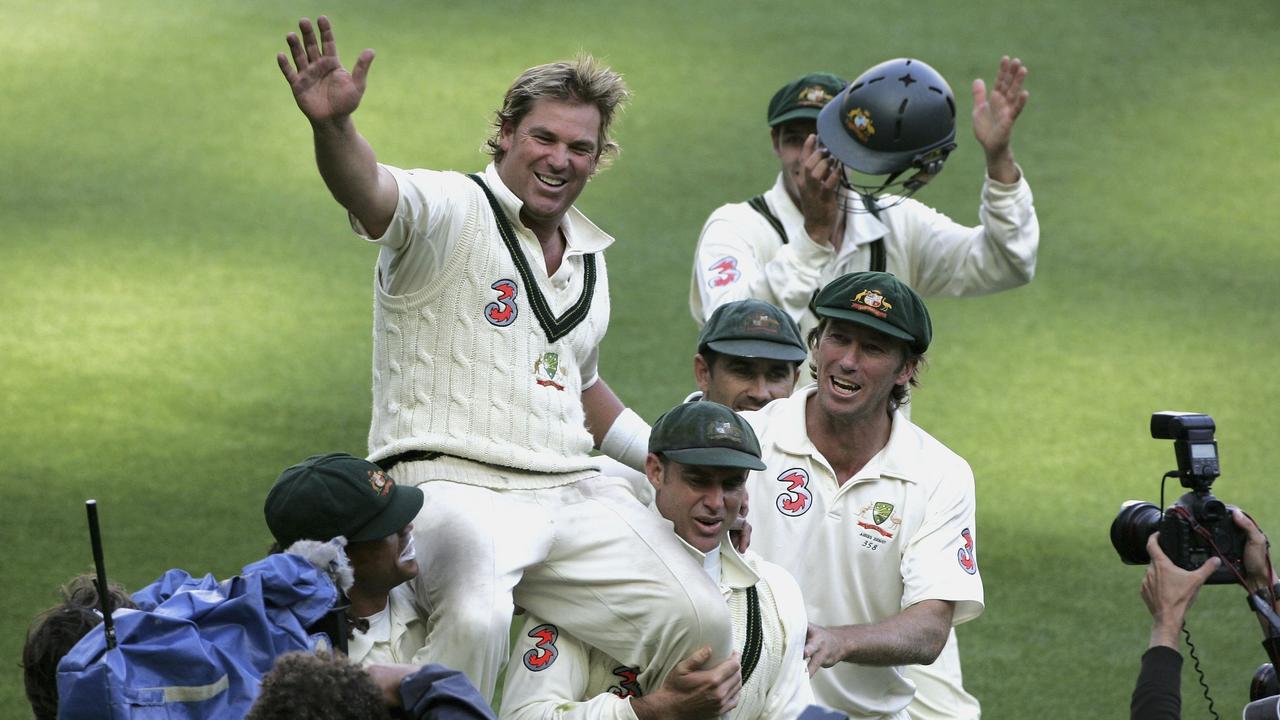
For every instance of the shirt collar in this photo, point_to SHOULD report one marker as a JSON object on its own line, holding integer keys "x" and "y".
{"x": 733, "y": 570}
{"x": 581, "y": 235}
{"x": 865, "y": 226}
{"x": 899, "y": 459}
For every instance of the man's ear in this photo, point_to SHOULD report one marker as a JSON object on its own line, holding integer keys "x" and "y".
{"x": 773, "y": 135}
{"x": 653, "y": 469}
{"x": 701, "y": 373}
{"x": 908, "y": 368}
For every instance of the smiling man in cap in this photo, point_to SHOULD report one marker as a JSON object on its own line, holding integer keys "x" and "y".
{"x": 326, "y": 496}
{"x": 784, "y": 244}
{"x": 699, "y": 456}
{"x": 871, "y": 514}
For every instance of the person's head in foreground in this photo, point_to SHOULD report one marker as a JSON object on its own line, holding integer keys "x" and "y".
{"x": 699, "y": 456}
{"x": 55, "y": 631}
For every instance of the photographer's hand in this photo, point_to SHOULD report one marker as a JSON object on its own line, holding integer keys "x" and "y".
{"x": 1168, "y": 591}
{"x": 1258, "y": 574}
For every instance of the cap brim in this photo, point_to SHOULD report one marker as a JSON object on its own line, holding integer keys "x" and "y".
{"x": 800, "y": 113}
{"x": 759, "y": 349}
{"x": 715, "y": 456}
{"x": 842, "y": 145}
{"x": 868, "y": 320}
{"x": 406, "y": 501}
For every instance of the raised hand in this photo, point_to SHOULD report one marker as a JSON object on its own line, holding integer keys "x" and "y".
{"x": 819, "y": 186}
{"x": 995, "y": 113}
{"x": 322, "y": 87}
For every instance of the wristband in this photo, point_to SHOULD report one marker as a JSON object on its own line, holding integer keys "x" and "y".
{"x": 627, "y": 440}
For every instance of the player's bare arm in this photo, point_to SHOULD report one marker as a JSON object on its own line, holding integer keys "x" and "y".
{"x": 914, "y": 636}
{"x": 819, "y": 186}
{"x": 692, "y": 690}
{"x": 327, "y": 94}
{"x": 995, "y": 113}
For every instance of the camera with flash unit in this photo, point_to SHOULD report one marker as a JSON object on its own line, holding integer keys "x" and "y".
{"x": 1197, "y": 526}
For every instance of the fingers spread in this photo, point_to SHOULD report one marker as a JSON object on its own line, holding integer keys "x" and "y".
{"x": 286, "y": 68}
{"x": 295, "y": 49}
{"x": 309, "y": 40}
{"x": 327, "y": 44}
{"x": 361, "y": 70}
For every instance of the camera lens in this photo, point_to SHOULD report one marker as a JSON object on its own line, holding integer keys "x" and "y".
{"x": 1129, "y": 531}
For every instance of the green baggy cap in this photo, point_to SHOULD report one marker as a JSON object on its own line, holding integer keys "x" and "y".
{"x": 325, "y": 496}
{"x": 753, "y": 329}
{"x": 706, "y": 433}
{"x": 803, "y": 98}
{"x": 881, "y": 302}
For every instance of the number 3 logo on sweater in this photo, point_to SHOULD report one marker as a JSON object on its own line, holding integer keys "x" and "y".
{"x": 542, "y": 654}
{"x": 502, "y": 312}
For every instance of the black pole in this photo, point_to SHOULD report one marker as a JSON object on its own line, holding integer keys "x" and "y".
{"x": 104, "y": 598}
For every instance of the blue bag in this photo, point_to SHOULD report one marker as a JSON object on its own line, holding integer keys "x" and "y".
{"x": 196, "y": 648}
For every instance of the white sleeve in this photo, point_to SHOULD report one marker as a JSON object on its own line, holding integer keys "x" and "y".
{"x": 790, "y": 692}
{"x": 560, "y": 687}
{"x": 946, "y": 258}
{"x": 733, "y": 263}
{"x": 940, "y": 561}
{"x": 424, "y": 227}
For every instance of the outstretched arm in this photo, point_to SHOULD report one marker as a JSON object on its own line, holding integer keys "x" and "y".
{"x": 914, "y": 636}
{"x": 327, "y": 94}
{"x": 994, "y": 115}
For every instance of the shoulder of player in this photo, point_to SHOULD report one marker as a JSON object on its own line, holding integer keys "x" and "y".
{"x": 740, "y": 218}
{"x": 925, "y": 457}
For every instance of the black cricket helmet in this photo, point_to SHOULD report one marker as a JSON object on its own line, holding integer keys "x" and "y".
{"x": 898, "y": 116}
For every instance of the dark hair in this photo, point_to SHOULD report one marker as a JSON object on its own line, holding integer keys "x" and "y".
{"x": 318, "y": 687}
{"x": 901, "y": 394}
{"x": 55, "y": 631}
{"x": 582, "y": 80}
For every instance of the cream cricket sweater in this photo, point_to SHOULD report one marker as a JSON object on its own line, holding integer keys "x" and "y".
{"x": 467, "y": 364}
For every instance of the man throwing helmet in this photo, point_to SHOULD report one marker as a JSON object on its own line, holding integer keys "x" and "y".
{"x": 872, "y": 515}
{"x": 896, "y": 120}
{"x": 490, "y": 302}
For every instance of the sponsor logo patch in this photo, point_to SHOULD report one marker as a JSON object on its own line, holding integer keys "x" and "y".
{"x": 502, "y": 312}
{"x": 544, "y": 652}
{"x": 726, "y": 272}
{"x": 628, "y": 682}
{"x": 967, "y": 556}
{"x": 796, "y": 499}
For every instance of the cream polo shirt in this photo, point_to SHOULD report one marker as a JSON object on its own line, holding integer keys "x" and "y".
{"x": 740, "y": 255}
{"x": 395, "y": 635}
{"x": 898, "y": 532}
{"x": 578, "y": 682}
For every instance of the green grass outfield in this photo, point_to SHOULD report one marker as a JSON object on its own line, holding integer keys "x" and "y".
{"x": 183, "y": 312}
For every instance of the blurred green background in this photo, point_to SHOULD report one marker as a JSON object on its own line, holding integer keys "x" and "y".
{"x": 183, "y": 311}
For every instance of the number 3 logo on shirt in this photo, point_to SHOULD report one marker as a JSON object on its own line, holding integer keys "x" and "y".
{"x": 796, "y": 499}
{"x": 541, "y": 655}
{"x": 502, "y": 312}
